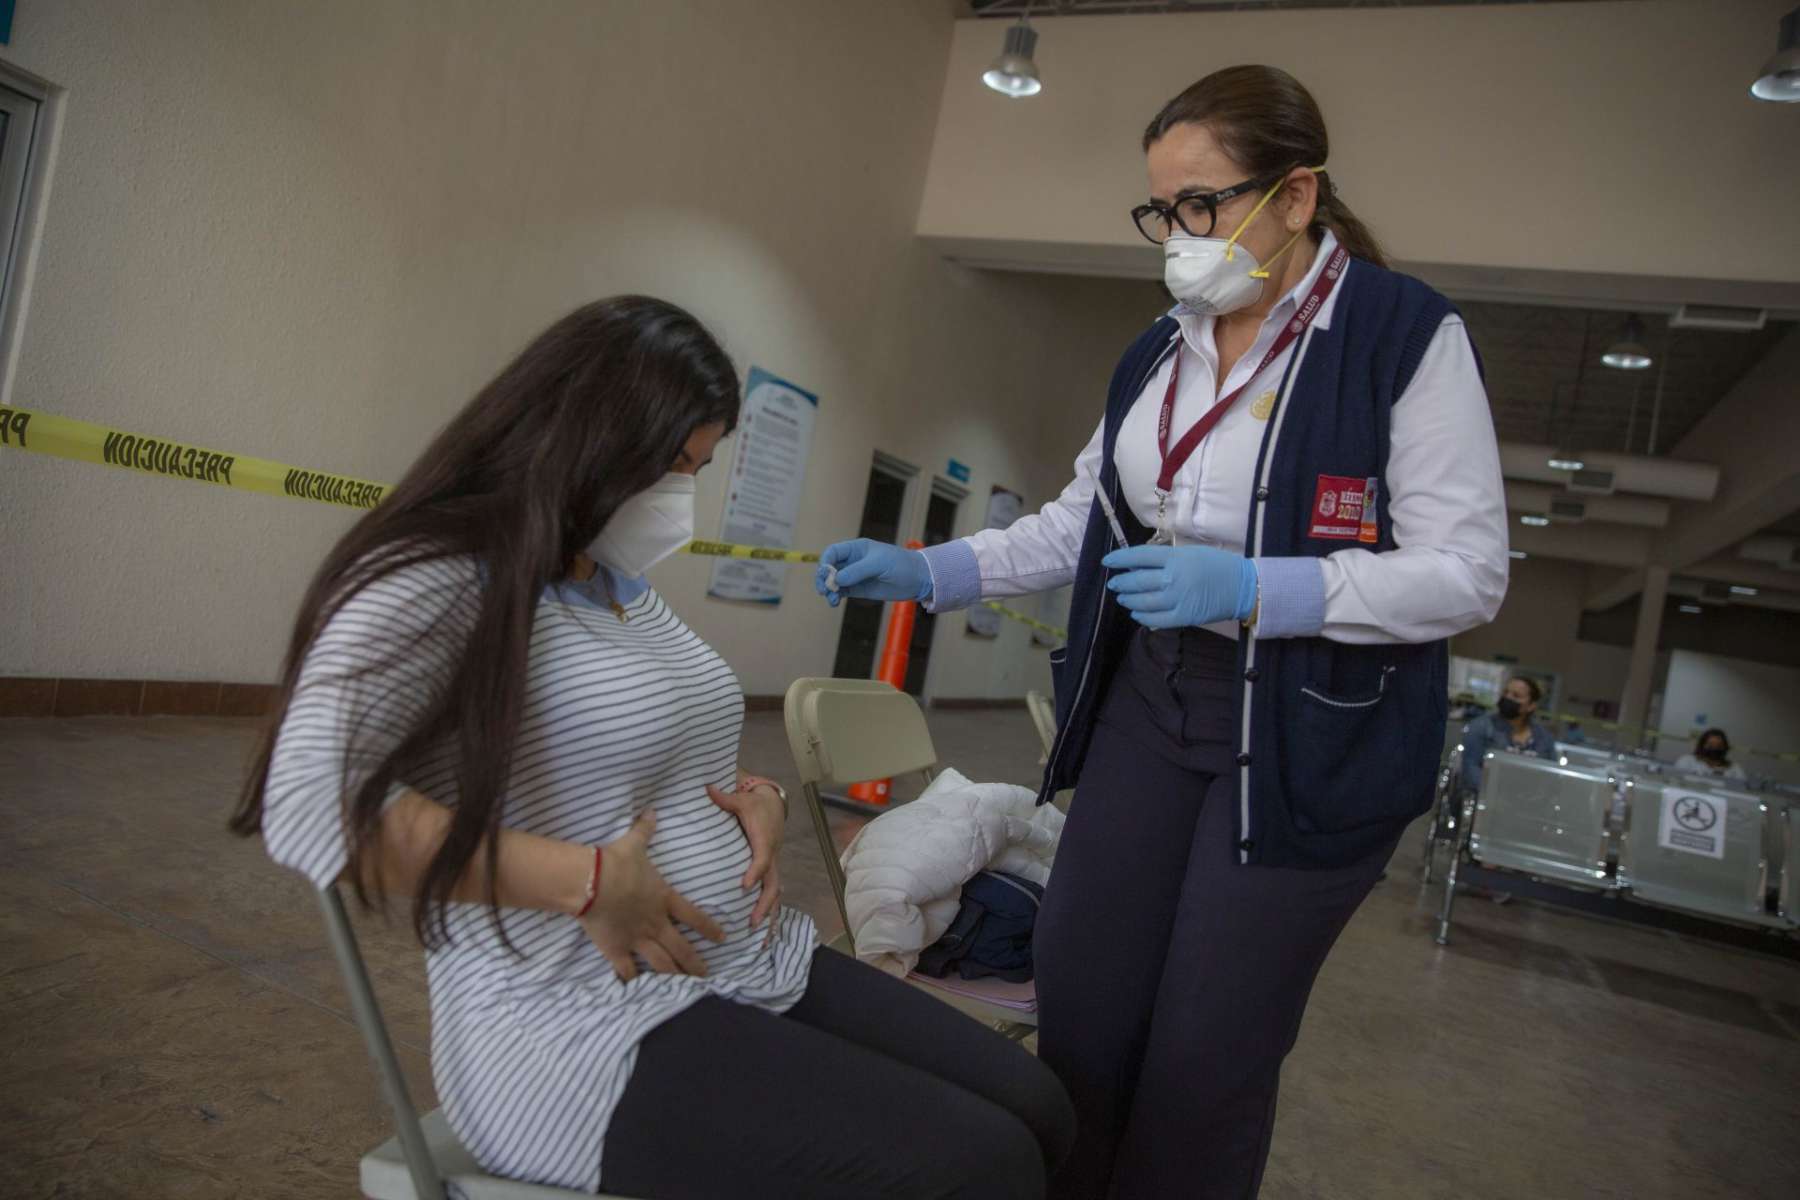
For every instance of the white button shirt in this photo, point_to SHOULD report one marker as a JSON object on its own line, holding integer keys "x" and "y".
{"x": 1445, "y": 495}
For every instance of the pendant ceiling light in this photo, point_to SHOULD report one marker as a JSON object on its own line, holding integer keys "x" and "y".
{"x": 1780, "y": 77}
{"x": 1014, "y": 74}
{"x": 1629, "y": 353}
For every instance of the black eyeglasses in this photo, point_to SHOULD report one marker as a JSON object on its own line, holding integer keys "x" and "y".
{"x": 1195, "y": 214}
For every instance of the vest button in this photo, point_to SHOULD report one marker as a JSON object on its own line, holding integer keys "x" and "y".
{"x": 1243, "y": 760}
{"x": 1262, "y": 493}
{"x": 1252, "y": 675}
{"x": 1246, "y": 845}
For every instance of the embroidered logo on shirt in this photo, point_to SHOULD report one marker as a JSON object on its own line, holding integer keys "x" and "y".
{"x": 1262, "y": 406}
{"x": 1338, "y": 506}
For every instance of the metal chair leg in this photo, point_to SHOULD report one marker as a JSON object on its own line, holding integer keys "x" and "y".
{"x": 1446, "y": 796}
{"x": 427, "y": 1183}
{"x": 1456, "y": 852}
{"x": 1428, "y": 853}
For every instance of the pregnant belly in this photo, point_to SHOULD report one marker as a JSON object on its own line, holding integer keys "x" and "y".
{"x": 706, "y": 864}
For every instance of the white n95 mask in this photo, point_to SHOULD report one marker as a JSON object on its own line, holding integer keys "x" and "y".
{"x": 1211, "y": 276}
{"x": 649, "y": 527}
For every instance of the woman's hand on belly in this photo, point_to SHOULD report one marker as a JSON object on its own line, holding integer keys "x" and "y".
{"x": 635, "y": 911}
{"x": 763, "y": 816}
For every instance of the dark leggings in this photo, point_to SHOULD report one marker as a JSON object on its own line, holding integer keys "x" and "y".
{"x": 866, "y": 1088}
{"x": 1171, "y": 980}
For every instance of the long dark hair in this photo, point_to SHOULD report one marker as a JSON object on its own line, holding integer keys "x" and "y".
{"x": 596, "y": 409}
{"x": 1267, "y": 121}
{"x": 1701, "y": 741}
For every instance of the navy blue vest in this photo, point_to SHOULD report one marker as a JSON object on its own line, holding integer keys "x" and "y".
{"x": 1339, "y": 742}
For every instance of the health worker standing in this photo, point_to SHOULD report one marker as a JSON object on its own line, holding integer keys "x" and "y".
{"x": 1293, "y": 499}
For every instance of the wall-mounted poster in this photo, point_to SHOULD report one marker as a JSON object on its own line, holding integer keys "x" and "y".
{"x": 1004, "y": 507}
{"x": 768, "y": 478}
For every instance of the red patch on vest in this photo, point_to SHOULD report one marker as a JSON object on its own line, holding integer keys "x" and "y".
{"x": 1338, "y": 507}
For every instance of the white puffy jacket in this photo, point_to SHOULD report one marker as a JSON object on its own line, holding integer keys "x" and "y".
{"x": 905, "y": 869}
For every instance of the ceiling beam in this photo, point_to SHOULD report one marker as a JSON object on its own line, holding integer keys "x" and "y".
{"x": 1606, "y": 545}
{"x": 1731, "y": 569}
{"x": 1691, "y": 589}
{"x": 1613, "y": 590}
{"x": 1752, "y": 433}
{"x": 1130, "y": 257}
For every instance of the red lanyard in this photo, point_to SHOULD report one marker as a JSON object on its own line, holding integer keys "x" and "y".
{"x": 1174, "y": 458}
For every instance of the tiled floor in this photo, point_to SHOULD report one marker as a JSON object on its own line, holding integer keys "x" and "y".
{"x": 171, "y": 1022}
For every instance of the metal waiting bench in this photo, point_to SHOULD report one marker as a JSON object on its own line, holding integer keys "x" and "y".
{"x": 1699, "y": 849}
{"x": 1595, "y": 822}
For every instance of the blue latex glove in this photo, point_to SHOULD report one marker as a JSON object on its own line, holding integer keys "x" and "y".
{"x": 1171, "y": 587}
{"x": 870, "y": 570}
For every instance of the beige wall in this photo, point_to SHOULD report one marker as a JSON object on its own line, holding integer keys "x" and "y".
{"x": 1577, "y": 137}
{"x": 1537, "y": 626}
{"x": 309, "y": 231}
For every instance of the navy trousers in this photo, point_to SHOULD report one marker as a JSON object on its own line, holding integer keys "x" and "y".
{"x": 1170, "y": 979}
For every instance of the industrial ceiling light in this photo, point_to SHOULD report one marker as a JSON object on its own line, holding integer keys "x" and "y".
{"x": 1780, "y": 77}
{"x": 1013, "y": 73}
{"x": 1692, "y": 608}
{"x": 1517, "y": 555}
{"x": 1564, "y": 459}
{"x": 1534, "y": 519}
{"x": 1738, "y": 590}
{"x": 1629, "y": 352}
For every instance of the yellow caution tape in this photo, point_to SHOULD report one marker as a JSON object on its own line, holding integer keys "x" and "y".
{"x": 763, "y": 553}
{"x": 1015, "y": 615}
{"x": 84, "y": 441}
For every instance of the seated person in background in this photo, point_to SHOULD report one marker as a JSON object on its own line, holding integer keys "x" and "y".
{"x": 1508, "y": 728}
{"x": 486, "y": 710}
{"x": 1711, "y": 756}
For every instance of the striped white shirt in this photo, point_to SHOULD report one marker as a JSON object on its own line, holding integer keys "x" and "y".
{"x": 531, "y": 1051}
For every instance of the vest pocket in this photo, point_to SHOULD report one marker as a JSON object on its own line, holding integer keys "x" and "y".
{"x": 1345, "y": 765}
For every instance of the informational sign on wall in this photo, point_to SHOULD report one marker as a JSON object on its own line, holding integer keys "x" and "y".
{"x": 768, "y": 479}
{"x": 1004, "y": 507}
{"x": 1693, "y": 822}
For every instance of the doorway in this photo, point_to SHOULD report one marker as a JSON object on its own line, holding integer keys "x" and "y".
{"x": 884, "y": 509}
{"x": 940, "y": 527}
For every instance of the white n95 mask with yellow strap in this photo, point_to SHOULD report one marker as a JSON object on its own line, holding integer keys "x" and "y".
{"x": 1211, "y": 276}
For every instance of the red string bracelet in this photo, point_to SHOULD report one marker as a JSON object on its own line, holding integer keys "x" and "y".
{"x": 593, "y": 887}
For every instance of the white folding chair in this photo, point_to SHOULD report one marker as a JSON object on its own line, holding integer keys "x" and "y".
{"x": 1043, "y": 715}
{"x": 423, "y": 1155}
{"x": 844, "y": 731}
{"x": 1709, "y": 859}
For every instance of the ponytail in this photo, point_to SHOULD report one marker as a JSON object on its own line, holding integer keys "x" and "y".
{"x": 1351, "y": 233}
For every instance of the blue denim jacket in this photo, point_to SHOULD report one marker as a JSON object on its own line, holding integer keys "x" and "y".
{"x": 1489, "y": 732}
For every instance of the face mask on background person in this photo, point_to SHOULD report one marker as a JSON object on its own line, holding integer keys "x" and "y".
{"x": 1715, "y": 751}
{"x": 649, "y": 527}
{"x": 1212, "y": 276}
{"x": 1507, "y": 707}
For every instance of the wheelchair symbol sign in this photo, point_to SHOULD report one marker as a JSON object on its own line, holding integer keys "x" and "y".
{"x": 1693, "y": 822}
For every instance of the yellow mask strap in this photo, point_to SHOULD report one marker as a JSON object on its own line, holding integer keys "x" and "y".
{"x": 1231, "y": 242}
{"x": 1263, "y": 271}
